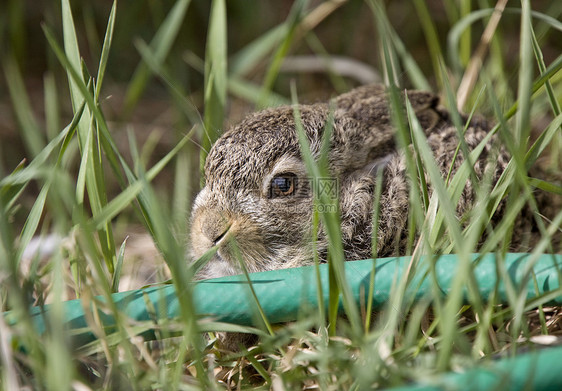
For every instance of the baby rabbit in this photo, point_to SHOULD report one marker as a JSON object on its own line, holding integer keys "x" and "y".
{"x": 257, "y": 203}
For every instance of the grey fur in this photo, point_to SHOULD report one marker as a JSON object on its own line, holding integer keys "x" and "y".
{"x": 234, "y": 211}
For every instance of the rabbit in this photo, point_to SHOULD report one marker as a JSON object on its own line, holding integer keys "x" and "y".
{"x": 257, "y": 203}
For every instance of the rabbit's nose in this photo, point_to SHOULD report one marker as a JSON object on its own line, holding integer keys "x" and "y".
{"x": 220, "y": 236}
{"x": 215, "y": 228}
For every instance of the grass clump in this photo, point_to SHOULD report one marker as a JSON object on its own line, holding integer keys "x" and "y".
{"x": 86, "y": 186}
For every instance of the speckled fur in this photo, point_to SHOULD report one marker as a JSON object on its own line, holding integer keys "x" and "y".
{"x": 274, "y": 233}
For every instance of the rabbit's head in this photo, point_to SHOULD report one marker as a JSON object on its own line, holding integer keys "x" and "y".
{"x": 257, "y": 203}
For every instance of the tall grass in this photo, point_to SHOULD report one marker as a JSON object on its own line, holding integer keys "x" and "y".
{"x": 83, "y": 182}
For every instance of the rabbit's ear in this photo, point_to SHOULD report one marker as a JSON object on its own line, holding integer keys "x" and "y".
{"x": 363, "y": 122}
{"x": 425, "y": 105}
{"x": 369, "y": 104}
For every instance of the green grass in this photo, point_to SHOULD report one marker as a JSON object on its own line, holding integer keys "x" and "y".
{"x": 81, "y": 181}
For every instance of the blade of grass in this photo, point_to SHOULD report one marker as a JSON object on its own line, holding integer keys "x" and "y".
{"x": 108, "y": 38}
{"x": 252, "y": 93}
{"x": 467, "y": 124}
{"x": 543, "y": 141}
{"x": 161, "y": 45}
{"x": 375, "y": 224}
{"x": 551, "y": 97}
{"x": 73, "y": 56}
{"x": 459, "y": 126}
{"x": 449, "y": 328}
{"x": 52, "y": 110}
{"x": 59, "y": 361}
{"x": 84, "y": 166}
{"x": 183, "y": 182}
{"x": 320, "y": 294}
{"x": 516, "y": 170}
{"x": 215, "y": 80}
{"x": 477, "y": 59}
{"x": 463, "y": 24}
{"x": 12, "y": 185}
{"x": 281, "y": 37}
{"x": 525, "y": 80}
{"x": 389, "y": 56}
{"x": 91, "y": 152}
{"x": 171, "y": 83}
{"x": 431, "y": 38}
{"x": 111, "y": 152}
{"x": 29, "y": 128}
{"x": 295, "y": 16}
{"x": 9, "y": 369}
{"x": 108, "y": 145}
{"x": 174, "y": 254}
{"x": 385, "y": 29}
{"x": 337, "y": 79}
{"x": 465, "y": 42}
{"x": 330, "y": 219}
{"x": 118, "y": 267}
{"x": 538, "y": 147}
{"x": 546, "y": 186}
{"x": 256, "y": 51}
{"x": 32, "y": 221}
{"x": 252, "y": 296}
{"x": 124, "y": 198}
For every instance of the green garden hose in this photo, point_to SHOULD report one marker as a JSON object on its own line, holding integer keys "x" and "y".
{"x": 284, "y": 293}
{"x": 539, "y": 370}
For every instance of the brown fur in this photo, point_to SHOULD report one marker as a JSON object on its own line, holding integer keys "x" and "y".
{"x": 234, "y": 211}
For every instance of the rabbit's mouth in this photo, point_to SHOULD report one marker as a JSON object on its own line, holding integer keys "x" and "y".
{"x": 217, "y": 267}
{"x": 250, "y": 251}
{"x": 230, "y": 259}
{"x": 229, "y": 245}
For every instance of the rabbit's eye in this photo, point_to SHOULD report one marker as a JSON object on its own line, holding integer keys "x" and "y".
{"x": 283, "y": 185}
